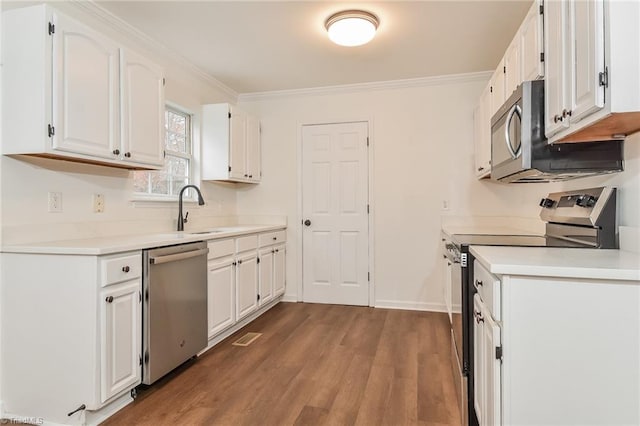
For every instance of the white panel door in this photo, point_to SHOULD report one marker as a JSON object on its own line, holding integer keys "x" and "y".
{"x": 238, "y": 144}
{"x": 478, "y": 360}
{"x": 265, "y": 276}
{"x": 121, "y": 338}
{"x": 492, "y": 370}
{"x": 246, "y": 285}
{"x": 85, "y": 90}
{"x": 531, "y": 44}
{"x": 220, "y": 295}
{"x": 334, "y": 199}
{"x": 279, "y": 271}
{"x": 512, "y": 67}
{"x": 555, "y": 65}
{"x": 587, "y": 54}
{"x": 142, "y": 98}
{"x": 497, "y": 89}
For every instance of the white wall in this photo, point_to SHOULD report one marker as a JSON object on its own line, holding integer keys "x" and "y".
{"x": 26, "y": 182}
{"x": 422, "y": 139}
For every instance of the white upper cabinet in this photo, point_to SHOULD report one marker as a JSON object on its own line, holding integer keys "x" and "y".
{"x": 70, "y": 92}
{"x": 482, "y": 134}
{"x": 85, "y": 90}
{"x": 230, "y": 144}
{"x": 512, "y": 67}
{"x": 592, "y": 90}
{"x": 497, "y": 89}
{"x": 531, "y": 43}
{"x": 142, "y": 95}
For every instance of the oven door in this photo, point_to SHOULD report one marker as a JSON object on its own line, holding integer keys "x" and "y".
{"x": 506, "y": 140}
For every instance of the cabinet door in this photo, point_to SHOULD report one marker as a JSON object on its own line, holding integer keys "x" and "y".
{"x": 237, "y": 144}
{"x": 253, "y": 149}
{"x": 478, "y": 360}
{"x": 279, "y": 270}
{"x": 482, "y": 134}
{"x": 265, "y": 275}
{"x": 492, "y": 371}
{"x": 446, "y": 268}
{"x": 497, "y": 89}
{"x": 512, "y": 67}
{"x": 587, "y": 57}
{"x": 121, "y": 326}
{"x": 220, "y": 295}
{"x": 85, "y": 90}
{"x": 531, "y": 44}
{"x": 246, "y": 285}
{"x": 142, "y": 109}
{"x": 555, "y": 63}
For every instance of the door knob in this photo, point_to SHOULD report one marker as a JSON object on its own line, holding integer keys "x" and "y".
{"x": 307, "y": 222}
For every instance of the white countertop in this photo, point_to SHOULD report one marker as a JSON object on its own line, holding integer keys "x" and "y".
{"x": 560, "y": 262}
{"x": 484, "y": 230}
{"x": 122, "y": 243}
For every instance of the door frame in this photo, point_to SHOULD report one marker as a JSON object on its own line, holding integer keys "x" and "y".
{"x": 299, "y": 218}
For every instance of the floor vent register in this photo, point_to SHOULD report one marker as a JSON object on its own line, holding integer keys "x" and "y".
{"x": 247, "y": 339}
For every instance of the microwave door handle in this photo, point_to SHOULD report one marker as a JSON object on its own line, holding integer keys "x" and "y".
{"x": 514, "y": 110}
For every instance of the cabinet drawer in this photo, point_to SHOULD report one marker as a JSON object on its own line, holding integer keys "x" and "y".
{"x": 488, "y": 286}
{"x": 120, "y": 268}
{"x": 272, "y": 238}
{"x": 220, "y": 248}
{"x": 250, "y": 242}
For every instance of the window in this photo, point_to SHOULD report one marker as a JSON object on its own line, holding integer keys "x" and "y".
{"x": 178, "y": 163}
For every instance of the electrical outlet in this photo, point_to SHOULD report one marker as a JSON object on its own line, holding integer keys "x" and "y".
{"x": 55, "y": 202}
{"x": 98, "y": 203}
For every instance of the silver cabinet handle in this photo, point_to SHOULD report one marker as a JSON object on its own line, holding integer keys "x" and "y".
{"x": 178, "y": 256}
{"x": 517, "y": 111}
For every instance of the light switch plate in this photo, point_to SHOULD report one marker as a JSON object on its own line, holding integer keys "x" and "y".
{"x": 98, "y": 203}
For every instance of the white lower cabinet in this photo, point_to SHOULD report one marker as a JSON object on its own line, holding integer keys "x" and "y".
{"x": 221, "y": 294}
{"x": 266, "y": 271}
{"x": 74, "y": 325}
{"x": 121, "y": 328}
{"x": 279, "y": 270}
{"x": 246, "y": 284}
{"x": 564, "y": 351}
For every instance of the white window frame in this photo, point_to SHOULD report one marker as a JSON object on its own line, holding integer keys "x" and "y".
{"x": 194, "y": 163}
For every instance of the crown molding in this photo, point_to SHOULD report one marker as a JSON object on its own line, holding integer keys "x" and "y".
{"x": 91, "y": 8}
{"x": 361, "y": 87}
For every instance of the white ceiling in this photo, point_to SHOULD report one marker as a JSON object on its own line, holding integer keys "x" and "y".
{"x": 265, "y": 46}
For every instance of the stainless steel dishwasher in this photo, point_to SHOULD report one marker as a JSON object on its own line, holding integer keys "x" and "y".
{"x": 174, "y": 313}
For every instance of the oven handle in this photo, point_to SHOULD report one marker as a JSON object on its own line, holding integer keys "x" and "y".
{"x": 178, "y": 256}
{"x": 514, "y": 110}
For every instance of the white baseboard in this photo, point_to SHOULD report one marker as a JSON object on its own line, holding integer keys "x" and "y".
{"x": 411, "y": 306}
{"x": 290, "y": 299}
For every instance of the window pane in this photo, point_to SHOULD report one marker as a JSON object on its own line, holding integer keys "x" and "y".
{"x": 159, "y": 183}
{"x": 178, "y": 183}
{"x": 177, "y": 123}
{"x": 140, "y": 181}
{"x": 177, "y": 166}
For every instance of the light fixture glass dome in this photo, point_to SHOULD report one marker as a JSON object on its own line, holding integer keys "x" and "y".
{"x": 352, "y": 27}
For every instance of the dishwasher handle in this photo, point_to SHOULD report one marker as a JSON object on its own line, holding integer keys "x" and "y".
{"x": 178, "y": 256}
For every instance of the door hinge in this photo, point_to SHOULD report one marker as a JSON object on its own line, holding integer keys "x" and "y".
{"x": 52, "y": 130}
{"x": 504, "y": 70}
{"x": 541, "y": 9}
{"x": 603, "y": 77}
{"x": 140, "y": 359}
{"x": 499, "y": 352}
{"x": 229, "y": 115}
{"x": 146, "y": 357}
{"x": 258, "y": 260}
{"x": 541, "y": 56}
{"x": 52, "y": 28}
{"x": 490, "y": 89}
{"x": 258, "y": 298}
{"x": 164, "y": 82}
{"x": 229, "y": 168}
{"x": 164, "y": 154}
{"x": 368, "y": 276}
{"x": 367, "y": 140}
{"x": 367, "y": 208}
{"x": 139, "y": 297}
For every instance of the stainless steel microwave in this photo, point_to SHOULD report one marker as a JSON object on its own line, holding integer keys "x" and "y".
{"x": 520, "y": 151}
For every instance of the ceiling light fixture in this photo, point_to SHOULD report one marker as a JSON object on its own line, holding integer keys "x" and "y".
{"x": 352, "y": 27}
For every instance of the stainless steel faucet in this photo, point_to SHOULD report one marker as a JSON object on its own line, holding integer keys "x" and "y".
{"x": 182, "y": 220}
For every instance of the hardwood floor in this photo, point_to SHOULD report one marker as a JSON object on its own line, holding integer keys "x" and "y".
{"x": 313, "y": 365}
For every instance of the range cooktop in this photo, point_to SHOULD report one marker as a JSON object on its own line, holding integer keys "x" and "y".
{"x": 514, "y": 240}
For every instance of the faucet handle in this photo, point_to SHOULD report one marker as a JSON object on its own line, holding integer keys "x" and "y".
{"x": 185, "y": 220}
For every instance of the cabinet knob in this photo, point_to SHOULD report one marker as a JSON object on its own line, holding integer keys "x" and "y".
{"x": 556, "y": 118}
{"x": 239, "y": 262}
{"x": 307, "y": 222}
{"x": 479, "y": 283}
{"x": 277, "y": 250}
{"x": 566, "y": 113}
{"x": 480, "y": 169}
{"x": 126, "y": 269}
{"x": 127, "y": 154}
{"x": 116, "y": 151}
{"x": 250, "y": 176}
{"x": 246, "y": 175}
{"x": 275, "y": 238}
{"x": 109, "y": 299}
